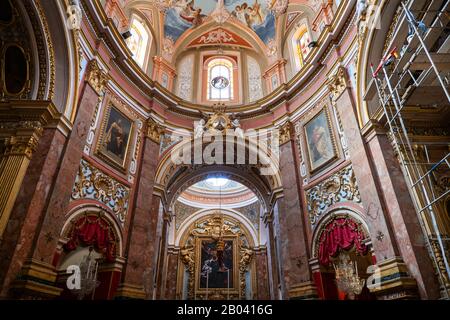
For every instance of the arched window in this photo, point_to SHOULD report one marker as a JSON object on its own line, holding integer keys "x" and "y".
{"x": 301, "y": 41}
{"x": 139, "y": 41}
{"x": 220, "y": 79}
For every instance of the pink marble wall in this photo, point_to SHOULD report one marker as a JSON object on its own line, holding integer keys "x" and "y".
{"x": 291, "y": 219}
{"x": 142, "y": 237}
{"x": 262, "y": 276}
{"x": 19, "y": 237}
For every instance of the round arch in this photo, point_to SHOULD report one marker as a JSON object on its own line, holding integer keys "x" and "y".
{"x": 175, "y": 178}
{"x": 82, "y": 209}
{"x": 341, "y": 212}
{"x": 248, "y": 227}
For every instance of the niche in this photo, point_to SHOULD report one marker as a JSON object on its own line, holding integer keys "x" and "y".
{"x": 15, "y": 64}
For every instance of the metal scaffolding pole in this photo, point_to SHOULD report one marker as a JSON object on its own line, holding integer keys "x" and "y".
{"x": 420, "y": 184}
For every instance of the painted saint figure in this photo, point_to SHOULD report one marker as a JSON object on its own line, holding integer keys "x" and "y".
{"x": 115, "y": 138}
{"x": 319, "y": 143}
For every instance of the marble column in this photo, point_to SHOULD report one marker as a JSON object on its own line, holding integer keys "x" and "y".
{"x": 393, "y": 227}
{"x": 31, "y": 156}
{"x": 35, "y": 263}
{"x": 294, "y": 252}
{"x": 171, "y": 277}
{"x": 138, "y": 274}
{"x": 262, "y": 275}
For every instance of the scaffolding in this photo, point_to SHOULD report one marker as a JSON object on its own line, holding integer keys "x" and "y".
{"x": 418, "y": 74}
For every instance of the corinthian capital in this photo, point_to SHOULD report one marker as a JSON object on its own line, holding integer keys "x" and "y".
{"x": 337, "y": 84}
{"x": 96, "y": 77}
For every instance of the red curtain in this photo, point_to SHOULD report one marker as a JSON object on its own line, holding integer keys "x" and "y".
{"x": 93, "y": 231}
{"x": 340, "y": 234}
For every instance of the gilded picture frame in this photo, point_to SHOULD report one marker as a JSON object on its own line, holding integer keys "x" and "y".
{"x": 214, "y": 290}
{"x": 320, "y": 141}
{"x": 115, "y": 138}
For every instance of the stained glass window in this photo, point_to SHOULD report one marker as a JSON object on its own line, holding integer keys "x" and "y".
{"x": 220, "y": 79}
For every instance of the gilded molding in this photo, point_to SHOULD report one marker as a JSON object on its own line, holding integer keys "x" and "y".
{"x": 215, "y": 227}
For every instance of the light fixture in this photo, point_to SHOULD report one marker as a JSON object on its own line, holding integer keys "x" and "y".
{"x": 127, "y": 34}
{"x": 347, "y": 278}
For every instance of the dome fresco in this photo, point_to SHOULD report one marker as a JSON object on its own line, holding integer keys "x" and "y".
{"x": 188, "y": 14}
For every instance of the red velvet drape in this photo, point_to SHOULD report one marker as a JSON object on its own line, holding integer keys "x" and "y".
{"x": 340, "y": 234}
{"x": 93, "y": 231}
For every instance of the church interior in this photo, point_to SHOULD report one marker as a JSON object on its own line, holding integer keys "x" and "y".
{"x": 225, "y": 149}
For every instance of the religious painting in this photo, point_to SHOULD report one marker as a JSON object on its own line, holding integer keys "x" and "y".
{"x": 319, "y": 140}
{"x": 187, "y": 14}
{"x": 116, "y": 136}
{"x": 216, "y": 264}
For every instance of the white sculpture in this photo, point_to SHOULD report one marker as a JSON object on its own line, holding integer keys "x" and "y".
{"x": 199, "y": 129}
{"x": 238, "y": 132}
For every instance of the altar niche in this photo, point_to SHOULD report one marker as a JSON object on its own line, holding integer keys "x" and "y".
{"x": 217, "y": 260}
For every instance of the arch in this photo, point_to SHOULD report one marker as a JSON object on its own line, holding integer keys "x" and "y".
{"x": 81, "y": 210}
{"x": 174, "y": 178}
{"x": 248, "y": 35}
{"x": 370, "y": 51}
{"x": 341, "y": 212}
{"x": 248, "y": 227}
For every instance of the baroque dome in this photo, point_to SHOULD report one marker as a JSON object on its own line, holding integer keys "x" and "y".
{"x": 258, "y": 48}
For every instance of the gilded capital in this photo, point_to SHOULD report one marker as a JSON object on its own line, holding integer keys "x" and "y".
{"x": 21, "y": 145}
{"x": 285, "y": 133}
{"x": 337, "y": 84}
{"x": 154, "y": 131}
{"x": 96, "y": 77}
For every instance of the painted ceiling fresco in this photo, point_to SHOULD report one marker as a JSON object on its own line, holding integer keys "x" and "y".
{"x": 188, "y": 14}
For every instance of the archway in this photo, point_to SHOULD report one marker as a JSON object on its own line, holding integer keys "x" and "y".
{"x": 342, "y": 254}
{"x": 90, "y": 238}
{"x": 234, "y": 208}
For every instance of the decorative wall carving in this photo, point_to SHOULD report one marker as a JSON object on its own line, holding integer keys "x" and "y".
{"x": 91, "y": 183}
{"x": 217, "y": 36}
{"x": 340, "y": 187}
{"x": 254, "y": 80}
{"x": 185, "y": 79}
{"x": 182, "y": 211}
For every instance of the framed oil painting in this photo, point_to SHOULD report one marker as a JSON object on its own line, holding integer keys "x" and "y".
{"x": 320, "y": 141}
{"x": 115, "y": 137}
{"x": 217, "y": 268}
